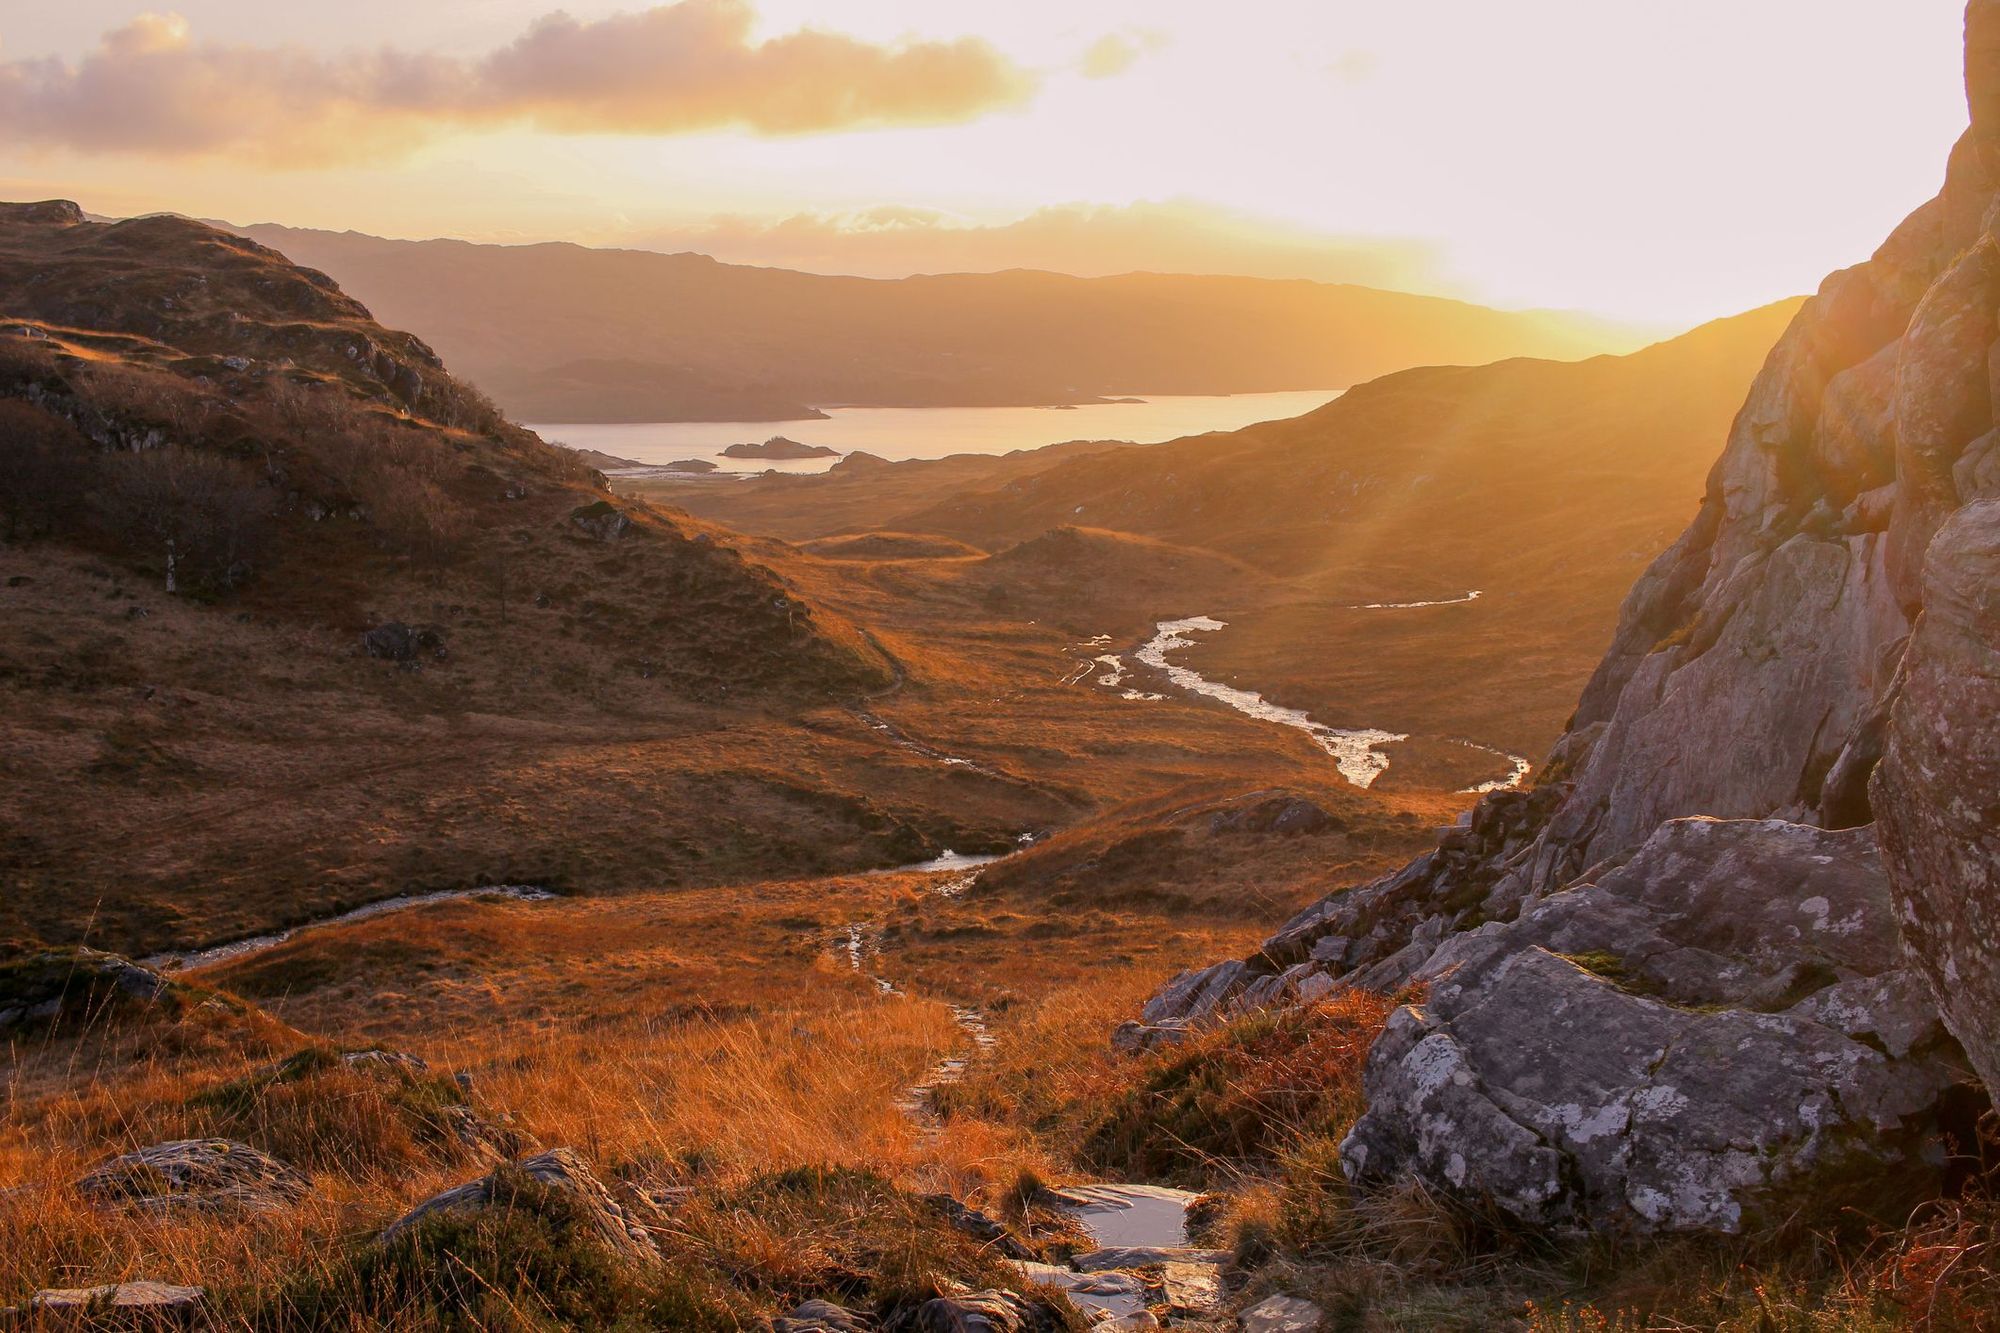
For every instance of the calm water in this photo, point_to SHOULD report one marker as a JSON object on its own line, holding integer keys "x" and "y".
{"x": 897, "y": 433}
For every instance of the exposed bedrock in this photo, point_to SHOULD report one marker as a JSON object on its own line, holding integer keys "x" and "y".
{"x": 1677, "y": 983}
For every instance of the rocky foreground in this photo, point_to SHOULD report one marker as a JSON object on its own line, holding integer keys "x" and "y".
{"x": 1736, "y": 951}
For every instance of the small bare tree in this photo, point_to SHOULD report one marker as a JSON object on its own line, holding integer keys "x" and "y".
{"x": 207, "y": 513}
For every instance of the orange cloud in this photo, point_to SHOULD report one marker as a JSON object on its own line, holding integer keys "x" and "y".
{"x": 151, "y": 87}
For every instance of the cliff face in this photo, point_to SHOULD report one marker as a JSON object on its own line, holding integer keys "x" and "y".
{"x": 1759, "y": 673}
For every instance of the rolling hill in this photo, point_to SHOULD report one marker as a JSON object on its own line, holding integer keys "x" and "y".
{"x": 559, "y": 332}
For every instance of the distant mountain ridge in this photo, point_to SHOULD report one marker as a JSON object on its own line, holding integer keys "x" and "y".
{"x": 561, "y": 332}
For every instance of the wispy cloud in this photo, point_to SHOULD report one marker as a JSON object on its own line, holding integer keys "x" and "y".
{"x": 152, "y": 86}
{"x": 1114, "y": 53}
{"x": 1177, "y": 236}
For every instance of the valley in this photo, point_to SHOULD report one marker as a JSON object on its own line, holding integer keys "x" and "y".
{"x": 1090, "y": 837}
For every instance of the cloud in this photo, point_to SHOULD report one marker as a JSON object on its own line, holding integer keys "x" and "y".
{"x": 1114, "y": 53}
{"x": 152, "y": 87}
{"x": 1176, "y": 236}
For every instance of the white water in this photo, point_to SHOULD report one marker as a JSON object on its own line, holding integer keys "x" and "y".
{"x": 1519, "y": 768}
{"x": 948, "y": 860}
{"x": 1472, "y": 596}
{"x": 1353, "y": 751}
{"x": 256, "y": 944}
{"x": 899, "y": 433}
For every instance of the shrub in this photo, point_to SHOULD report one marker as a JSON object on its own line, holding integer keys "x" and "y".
{"x": 1245, "y": 1094}
{"x": 531, "y": 1261}
{"x": 46, "y": 468}
{"x": 205, "y": 514}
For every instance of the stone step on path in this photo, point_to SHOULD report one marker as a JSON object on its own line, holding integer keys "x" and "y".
{"x": 1143, "y": 1269}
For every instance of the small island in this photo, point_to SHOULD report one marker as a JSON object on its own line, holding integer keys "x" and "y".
{"x": 691, "y": 465}
{"x": 779, "y": 447}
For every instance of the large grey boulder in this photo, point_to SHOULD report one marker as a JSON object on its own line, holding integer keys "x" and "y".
{"x": 1680, "y": 1045}
{"x": 559, "y": 1169}
{"x": 196, "y": 1175}
{"x": 1937, "y": 791}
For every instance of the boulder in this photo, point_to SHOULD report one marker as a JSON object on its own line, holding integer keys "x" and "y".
{"x": 197, "y": 1175}
{"x": 1681, "y": 1045}
{"x": 559, "y": 1169}
{"x": 393, "y": 641}
{"x": 1937, "y": 791}
{"x": 1288, "y": 815}
{"x": 601, "y": 521}
{"x": 142, "y": 1304}
{"x": 52, "y": 986}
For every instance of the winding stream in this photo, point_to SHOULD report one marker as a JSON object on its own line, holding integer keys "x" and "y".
{"x": 190, "y": 960}
{"x": 1354, "y": 751}
{"x": 1471, "y": 596}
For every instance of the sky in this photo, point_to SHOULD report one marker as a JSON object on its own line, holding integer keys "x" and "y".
{"x": 1659, "y": 163}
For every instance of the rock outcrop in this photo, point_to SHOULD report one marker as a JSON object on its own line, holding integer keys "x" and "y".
{"x": 560, "y": 1170}
{"x": 57, "y": 985}
{"x": 1674, "y": 1046}
{"x": 200, "y": 1175}
{"x": 1750, "y": 1019}
{"x": 1938, "y": 790}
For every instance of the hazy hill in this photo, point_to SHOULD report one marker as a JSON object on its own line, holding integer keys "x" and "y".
{"x": 560, "y": 332}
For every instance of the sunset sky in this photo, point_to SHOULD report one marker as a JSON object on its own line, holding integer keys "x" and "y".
{"x": 1658, "y": 162}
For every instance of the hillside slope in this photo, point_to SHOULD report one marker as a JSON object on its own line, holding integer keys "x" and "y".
{"x": 563, "y": 333}
{"x": 1543, "y": 485}
{"x": 292, "y": 620}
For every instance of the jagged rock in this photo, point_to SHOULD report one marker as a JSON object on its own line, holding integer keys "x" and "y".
{"x": 602, "y": 521}
{"x": 822, "y": 1317}
{"x": 208, "y": 1175}
{"x": 984, "y": 1312}
{"x": 393, "y": 641}
{"x": 1281, "y": 1314}
{"x": 1763, "y": 669}
{"x": 1938, "y": 789}
{"x": 377, "y": 1057}
{"x": 142, "y": 1304}
{"x": 560, "y": 1169}
{"x": 48, "y": 212}
{"x": 1677, "y": 1046}
{"x": 978, "y": 1225}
